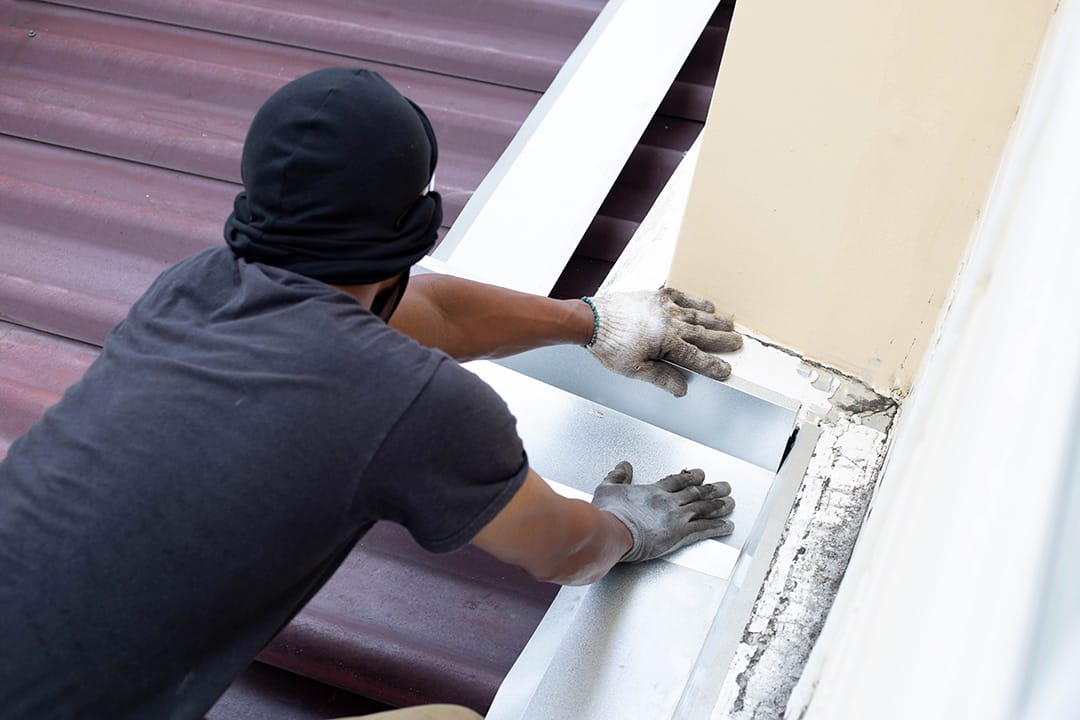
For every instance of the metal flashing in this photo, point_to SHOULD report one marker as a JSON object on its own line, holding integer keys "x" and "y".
{"x": 575, "y": 441}
{"x": 672, "y": 624}
{"x": 706, "y": 414}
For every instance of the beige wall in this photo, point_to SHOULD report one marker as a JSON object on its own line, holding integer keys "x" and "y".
{"x": 847, "y": 152}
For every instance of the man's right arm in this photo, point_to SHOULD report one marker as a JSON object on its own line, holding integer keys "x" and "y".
{"x": 572, "y": 542}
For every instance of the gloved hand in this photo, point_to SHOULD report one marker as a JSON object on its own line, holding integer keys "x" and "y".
{"x": 636, "y": 330}
{"x": 668, "y": 514}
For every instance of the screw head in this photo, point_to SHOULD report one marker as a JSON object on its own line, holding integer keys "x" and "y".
{"x": 32, "y": 33}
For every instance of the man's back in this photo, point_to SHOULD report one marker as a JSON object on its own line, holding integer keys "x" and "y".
{"x": 208, "y": 474}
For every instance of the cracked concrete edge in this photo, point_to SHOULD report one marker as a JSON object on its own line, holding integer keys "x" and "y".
{"x": 812, "y": 555}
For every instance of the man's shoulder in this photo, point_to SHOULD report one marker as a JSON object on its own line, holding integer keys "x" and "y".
{"x": 461, "y": 392}
{"x": 214, "y": 309}
{"x": 199, "y": 265}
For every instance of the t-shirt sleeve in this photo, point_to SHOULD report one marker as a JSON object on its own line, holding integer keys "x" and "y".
{"x": 450, "y": 463}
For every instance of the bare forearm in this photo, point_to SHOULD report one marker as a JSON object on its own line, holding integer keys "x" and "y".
{"x": 555, "y": 539}
{"x": 470, "y": 320}
{"x": 602, "y": 542}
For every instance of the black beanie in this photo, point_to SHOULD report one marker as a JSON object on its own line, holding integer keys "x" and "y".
{"x": 333, "y": 167}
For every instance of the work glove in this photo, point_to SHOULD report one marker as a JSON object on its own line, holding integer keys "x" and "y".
{"x": 668, "y": 514}
{"x": 636, "y": 331}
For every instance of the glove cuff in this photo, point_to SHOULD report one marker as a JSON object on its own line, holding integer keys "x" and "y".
{"x": 595, "y": 320}
{"x": 633, "y": 554}
{"x": 611, "y": 325}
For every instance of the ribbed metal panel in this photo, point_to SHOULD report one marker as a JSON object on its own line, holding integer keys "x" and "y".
{"x": 121, "y": 124}
{"x": 159, "y": 113}
{"x": 263, "y": 692}
{"x": 35, "y": 369}
{"x": 406, "y": 627}
{"x": 504, "y": 42}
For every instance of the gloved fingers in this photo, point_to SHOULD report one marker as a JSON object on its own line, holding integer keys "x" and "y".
{"x": 713, "y": 321}
{"x": 693, "y": 493}
{"x": 704, "y": 529}
{"x": 663, "y": 376}
{"x": 682, "y": 480}
{"x": 692, "y": 358}
{"x": 711, "y": 340}
{"x": 622, "y": 474}
{"x": 708, "y": 528}
{"x": 722, "y": 488}
{"x": 687, "y": 301}
{"x": 718, "y": 507}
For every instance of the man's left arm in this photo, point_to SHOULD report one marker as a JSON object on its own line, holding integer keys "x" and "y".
{"x": 470, "y": 320}
{"x": 631, "y": 333}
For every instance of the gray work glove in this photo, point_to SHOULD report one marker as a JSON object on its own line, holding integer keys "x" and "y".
{"x": 635, "y": 331}
{"x": 668, "y": 514}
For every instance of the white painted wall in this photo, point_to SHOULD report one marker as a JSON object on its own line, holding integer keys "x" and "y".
{"x": 848, "y": 149}
{"x": 937, "y": 615}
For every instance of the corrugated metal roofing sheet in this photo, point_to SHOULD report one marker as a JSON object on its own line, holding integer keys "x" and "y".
{"x": 121, "y": 123}
{"x": 159, "y": 113}
{"x": 407, "y": 627}
{"x": 35, "y": 369}
{"x": 263, "y": 692}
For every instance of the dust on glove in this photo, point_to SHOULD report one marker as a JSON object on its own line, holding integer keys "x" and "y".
{"x": 637, "y": 331}
{"x": 668, "y": 514}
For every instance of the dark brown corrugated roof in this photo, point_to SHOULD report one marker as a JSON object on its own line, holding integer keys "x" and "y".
{"x": 121, "y": 123}
{"x": 159, "y": 112}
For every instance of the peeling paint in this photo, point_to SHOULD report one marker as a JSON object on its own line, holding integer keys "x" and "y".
{"x": 852, "y": 400}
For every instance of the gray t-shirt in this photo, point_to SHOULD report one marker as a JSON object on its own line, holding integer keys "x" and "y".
{"x": 240, "y": 431}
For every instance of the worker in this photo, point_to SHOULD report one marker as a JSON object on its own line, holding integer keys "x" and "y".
{"x": 254, "y": 414}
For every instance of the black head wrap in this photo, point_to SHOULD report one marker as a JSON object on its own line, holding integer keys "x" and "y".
{"x": 333, "y": 168}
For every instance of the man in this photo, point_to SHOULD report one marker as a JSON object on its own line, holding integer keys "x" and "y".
{"x": 254, "y": 415}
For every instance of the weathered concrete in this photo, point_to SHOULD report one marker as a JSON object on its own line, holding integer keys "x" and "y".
{"x": 813, "y": 553}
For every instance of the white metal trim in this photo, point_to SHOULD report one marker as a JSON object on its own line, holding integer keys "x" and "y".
{"x": 570, "y": 150}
